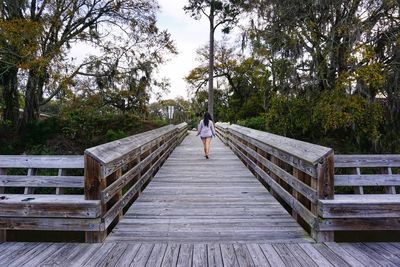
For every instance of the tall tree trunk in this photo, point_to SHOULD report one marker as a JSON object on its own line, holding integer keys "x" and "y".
{"x": 33, "y": 96}
{"x": 211, "y": 65}
{"x": 10, "y": 94}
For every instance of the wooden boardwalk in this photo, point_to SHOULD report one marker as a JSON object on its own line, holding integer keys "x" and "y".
{"x": 192, "y": 199}
{"x": 186, "y": 255}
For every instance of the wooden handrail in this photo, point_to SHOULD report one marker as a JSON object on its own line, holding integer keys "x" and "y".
{"x": 297, "y": 173}
{"x": 116, "y": 172}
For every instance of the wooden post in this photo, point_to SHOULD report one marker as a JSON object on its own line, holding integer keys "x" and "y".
{"x": 325, "y": 188}
{"x": 59, "y": 190}
{"x": 389, "y": 189}
{"x": 30, "y": 190}
{"x": 3, "y": 232}
{"x": 110, "y": 179}
{"x": 94, "y": 185}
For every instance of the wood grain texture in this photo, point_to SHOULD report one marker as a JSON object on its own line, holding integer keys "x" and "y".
{"x": 190, "y": 202}
{"x": 189, "y": 254}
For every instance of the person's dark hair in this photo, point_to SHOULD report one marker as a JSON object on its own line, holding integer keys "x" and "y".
{"x": 207, "y": 118}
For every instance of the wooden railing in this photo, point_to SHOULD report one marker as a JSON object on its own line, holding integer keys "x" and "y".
{"x": 115, "y": 173}
{"x": 44, "y": 193}
{"x": 297, "y": 173}
{"x": 366, "y": 197}
{"x": 75, "y": 193}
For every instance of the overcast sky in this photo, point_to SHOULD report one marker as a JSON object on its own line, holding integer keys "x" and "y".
{"x": 189, "y": 35}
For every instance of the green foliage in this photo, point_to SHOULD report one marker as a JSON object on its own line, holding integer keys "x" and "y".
{"x": 112, "y": 135}
{"x": 258, "y": 123}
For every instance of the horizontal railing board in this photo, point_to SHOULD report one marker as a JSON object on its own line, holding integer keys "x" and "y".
{"x": 360, "y": 206}
{"x": 300, "y": 187}
{"x": 41, "y": 181}
{"x": 359, "y": 224}
{"x": 41, "y": 162}
{"x": 286, "y": 196}
{"x": 109, "y": 152}
{"x": 367, "y": 161}
{"x": 309, "y": 152}
{"x": 54, "y": 224}
{"x": 367, "y": 180}
{"x": 66, "y": 206}
{"x": 297, "y": 162}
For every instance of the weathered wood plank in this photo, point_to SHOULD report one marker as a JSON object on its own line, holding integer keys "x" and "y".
{"x": 228, "y": 255}
{"x": 185, "y": 257}
{"x": 199, "y": 255}
{"x": 41, "y": 162}
{"x": 157, "y": 255}
{"x": 370, "y": 161}
{"x": 214, "y": 255}
{"x": 41, "y": 181}
{"x": 171, "y": 255}
{"x": 367, "y": 180}
{"x": 66, "y": 206}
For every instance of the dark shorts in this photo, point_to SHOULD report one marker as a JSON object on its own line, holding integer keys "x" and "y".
{"x": 204, "y": 138}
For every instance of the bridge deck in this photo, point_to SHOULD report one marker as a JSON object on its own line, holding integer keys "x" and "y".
{"x": 162, "y": 254}
{"x": 192, "y": 199}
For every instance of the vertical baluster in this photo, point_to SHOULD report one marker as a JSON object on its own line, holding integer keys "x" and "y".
{"x": 358, "y": 189}
{"x": 390, "y": 189}
{"x": 2, "y": 172}
{"x": 3, "y": 232}
{"x": 60, "y": 190}
{"x": 30, "y": 190}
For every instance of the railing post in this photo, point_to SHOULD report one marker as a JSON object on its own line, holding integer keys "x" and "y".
{"x": 94, "y": 185}
{"x": 3, "y": 232}
{"x": 325, "y": 189}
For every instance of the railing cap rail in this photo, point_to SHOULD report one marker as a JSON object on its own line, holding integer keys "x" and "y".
{"x": 42, "y": 161}
{"x": 107, "y": 153}
{"x": 308, "y": 152}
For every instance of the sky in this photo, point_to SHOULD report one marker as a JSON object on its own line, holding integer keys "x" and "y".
{"x": 189, "y": 34}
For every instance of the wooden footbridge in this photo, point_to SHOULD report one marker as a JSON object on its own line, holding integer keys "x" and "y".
{"x": 153, "y": 200}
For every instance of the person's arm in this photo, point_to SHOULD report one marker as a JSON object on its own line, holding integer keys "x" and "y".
{"x": 199, "y": 127}
{"x": 212, "y": 129}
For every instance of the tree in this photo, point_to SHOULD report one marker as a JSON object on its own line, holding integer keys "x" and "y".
{"x": 219, "y": 13}
{"x": 107, "y": 25}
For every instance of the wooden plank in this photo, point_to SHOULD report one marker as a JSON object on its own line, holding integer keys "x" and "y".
{"x": 41, "y": 181}
{"x": 289, "y": 199}
{"x": 157, "y": 255}
{"x": 309, "y": 152}
{"x": 349, "y": 257}
{"x": 99, "y": 255}
{"x": 359, "y": 224}
{"x": 199, "y": 255}
{"x": 38, "y": 258}
{"x": 271, "y": 254}
{"x": 185, "y": 257}
{"x": 300, "y": 255}
{"x": 286, "y": 255}
{"x": 129, "y": 254}
{"x": 214, "y": 256}
{"x": 369, "y": 161}
{"x": 360, "y": 255}
{"x": 46, "y": 223}
{"x": 331, "y": 256}
{"x": 28, "y": 255}
{"x": 41, "y": 162}
{"x": 298, "y": 185}
{"x": 94, "y": 185}
{"x": 243, "y": 255}
{"x": 257, "y": 255}
{"x": 382, "y": 250}
{"x": 65, "y": 206}
{"x": 142, "y": 255}
{"x": 315, "y": 255}
{"x": 30, "y": 190}
{"x": 171, "y": 255}
{"x": 360, "y": 206}
{"x": 367, "y": 180}
{"x": 377, "y": 257}
{"x": 228, "y": 255}
{"x": 390, "y": 189}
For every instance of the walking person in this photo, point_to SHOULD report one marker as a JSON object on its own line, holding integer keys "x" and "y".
{"x": 206, "y": 131}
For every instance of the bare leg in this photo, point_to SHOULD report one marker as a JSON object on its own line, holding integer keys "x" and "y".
{"x": 207, "y": 149}
{"x": 204, "y": 146}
